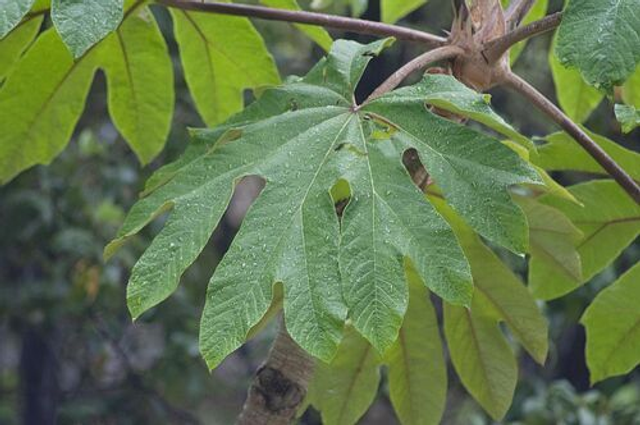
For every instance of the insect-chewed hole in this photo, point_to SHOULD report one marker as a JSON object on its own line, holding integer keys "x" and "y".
{"x": 418, "y": 173}
{"x": 341, "y": 195}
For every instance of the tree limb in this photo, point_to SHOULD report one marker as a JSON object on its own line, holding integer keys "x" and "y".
{"x": 552, "y": 111}
{"x": 359, "y": 26}
{"x": 422, "y": 61}
{"x": 496, "y": 48}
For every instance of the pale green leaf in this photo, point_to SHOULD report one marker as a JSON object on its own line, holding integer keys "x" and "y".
{"x": 83, "y": 23}
{"x": 11, "y": 13}
{"x": 499, "y": 294}
{"x": 628, "y": 116}
{"x": 394, "y": 10}
{"x": 562, "y": 152}
{"x": 344, "y": 389}
{"x": 42, "y": 107}
{"x": 537, "y": 11}
{"x": 417, "y": 370}
{"x": 554, "y": 240}
{"x": 602, "y": 39}
{"x": 612, "y": 323}
{"x": 577, "y": 98}
{"x": 481, "y": 357}
{"x": 221, "y": 57}
{"x": 631, "y": 89}
{"x": 317, "y": 34}
{"x": 609, "y": 221}
{"x": 303, "y": 138}
{"x": 140, "y": 83}
{"x": 16, "y": 42}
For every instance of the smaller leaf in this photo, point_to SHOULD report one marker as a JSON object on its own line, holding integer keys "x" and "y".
{"x": 83, "y": 23}
{"x": 344, "y": 389}
{"x": 628, "y": 116}
{"x": 394, "y": 10}
{"x": 612, "y": 323}
{"x": 11, "y": 13}
{"x": 16, "y": 42}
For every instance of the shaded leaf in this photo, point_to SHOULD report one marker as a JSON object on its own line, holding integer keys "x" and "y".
{"x": 11, "y": 13}
{"x": 602, "y": 39}
{"x": 16, "y": 42}
{"x": 631, "y": 89}
{"x": 83, "y": 23}
{"x": 140, "y": 84}
{"x": 394, "y": 10}
{"x": 221, "y": 57}
{"x": 317, "y": 34}
{"x": 612, "y": 322}
{"x": 628, "y": 116}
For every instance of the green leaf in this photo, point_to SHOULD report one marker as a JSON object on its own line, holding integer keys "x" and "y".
{"x": 394, "y": 10}
{"x": 631, "y": 89}
{"x": 317, "y": 34}
{"x": 221, "y": 57}
{"x": 16, "y": 42}
{"x": 554, "y": 240}
{"x": 499, "y": 294}
{"x": 628, "y": 116}
{"x": 303, "y": 138}
{"x": 609, "y": 220}
{"x": 602, "y": 39}
{"x": 612, "y": 323}
{"x": 482, "y": 358}
{"x": 83, "y": 23}
{"x": 11, "y": 13}
{"x": 417, "y": 370}
{"x": 140, "y": 83}
{"x": 31, "y": 100}
{"x": 577, "y": 98}
{"x": 344, "y": 389}
{"x": 562, "y": 152}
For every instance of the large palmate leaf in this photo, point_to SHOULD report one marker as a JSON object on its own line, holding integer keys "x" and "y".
{"x": 394, "y": 10}
{"x": 602, "y": 39}
{"x": 417, "y": 370}
{"x": 576, "y": 97}
{"x": 83, "y": 23}
{"x": 303, "y": 138}
{"x": 612, "y": 322}
{"x": 140, "y": 83}
{"x": 221, "y": 57}
{"x": 317, "y": 34}
{"x": 17, "y": 41}
{"x": 40, "y": 128}
{"x": 11, "y": 13}
{"x": 609, "y": 221}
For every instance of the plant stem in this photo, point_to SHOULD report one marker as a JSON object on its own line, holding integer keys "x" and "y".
{"x": 359, "y": 26}
{"x": 422, "y": 61}
{"x": 280, "y": 385}
{"x": 497, "y": 47}
{"x": 552, "y": 111}
{"x": 516, "y": 12}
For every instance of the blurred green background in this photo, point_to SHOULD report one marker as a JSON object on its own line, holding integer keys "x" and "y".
{"x": 69, "y": 353}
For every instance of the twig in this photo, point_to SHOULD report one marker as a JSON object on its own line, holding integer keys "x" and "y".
{"x": 497, "y": 47}
{"x": 435, "y": 55}
{"x": 552, "y": 111}
{"x": 359, "y": 26}
{"x": 516, "y": 12}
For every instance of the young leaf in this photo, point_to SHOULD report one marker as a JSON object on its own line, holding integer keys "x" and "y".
{"x": 577, "y": 98}
{"x": 83, "y": 23}
{"x": 612, "y": 323}
{"x": 303, "y": 137}
{"x": 317, "y": 34}
{"x": 602, "y": 39}
{"x": 140, "y": 84}
{"x": 394, "y": 10}
{"x": 417, "y": 370}
{"x": 554, "y": 240}
{"x": 221, "y": 57}
{"x": 482, "y": 358}
{"x": 628, "y": 116}
{"x": 11, "y": 13}
{"x": 30, "y": 100}
{"x": 344, "y": 389}
{"x": 16, "y": 42}
{"x": 561, "y": 152}
{"x": 609, "y": 220}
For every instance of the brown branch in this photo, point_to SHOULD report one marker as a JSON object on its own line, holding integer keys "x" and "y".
{"x": 516, "y": 12}
{"x": 552, "y": 111}
{"x": 496, "y": 48}
{"x": 280, "y": 385}
{"x": 359, "y": 26}
{"x": 421, "y": 62}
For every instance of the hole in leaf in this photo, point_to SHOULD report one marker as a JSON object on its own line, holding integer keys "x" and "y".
{"x": 414, "y": 166}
